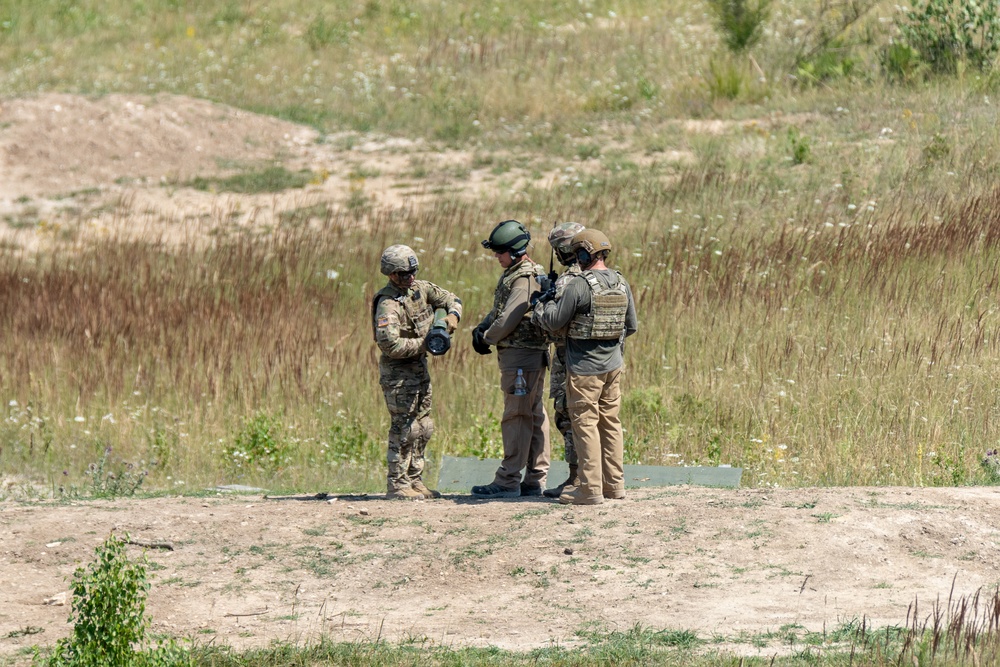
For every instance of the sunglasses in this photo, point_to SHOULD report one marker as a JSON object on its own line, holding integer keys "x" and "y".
{"x": 406, "y": 274}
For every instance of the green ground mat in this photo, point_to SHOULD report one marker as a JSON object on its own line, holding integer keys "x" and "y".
{"x": 459, "y": 475}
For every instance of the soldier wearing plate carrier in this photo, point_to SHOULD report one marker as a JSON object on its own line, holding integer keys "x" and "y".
{"x": 560, "y": 238}
{"x": 598, "y": 309}
{"x": 402, "y": 316}
{"x": 522, "y": 351}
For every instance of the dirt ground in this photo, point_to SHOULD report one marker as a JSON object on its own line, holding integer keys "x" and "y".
{"x": 732, "y": 565}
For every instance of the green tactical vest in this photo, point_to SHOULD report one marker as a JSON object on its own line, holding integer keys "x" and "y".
{"x": 608, "y": 305}
{"x": 418, "y": 314}
{"x": 526, "y": 335}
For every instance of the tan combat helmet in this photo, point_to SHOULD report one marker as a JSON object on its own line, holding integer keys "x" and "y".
{"x": 399, "y": 258}
{"x": 560, "y": 239}
{"x": 589, "y": 245}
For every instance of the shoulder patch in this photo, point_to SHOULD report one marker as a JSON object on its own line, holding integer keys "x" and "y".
{"x": 383, "y": 321}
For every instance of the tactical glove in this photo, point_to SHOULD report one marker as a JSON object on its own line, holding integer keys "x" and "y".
{"x": 546, "y": 293}
{"x": 452, "y": 322}
{"x": 478, "y": 344}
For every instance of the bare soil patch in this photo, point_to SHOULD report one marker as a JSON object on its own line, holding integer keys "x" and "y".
{"x": 522, "y": 573}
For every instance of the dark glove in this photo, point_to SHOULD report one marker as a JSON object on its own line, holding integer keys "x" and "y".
{"x": 478, "y": 344}
{"x": 546, "y": 293}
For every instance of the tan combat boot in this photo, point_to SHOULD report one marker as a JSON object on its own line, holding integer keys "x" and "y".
{"x": 575, "y": 497}
{"x": 570, "y": 482}
{"x": 421, "y": 488}
{"x": 405, "y": 493}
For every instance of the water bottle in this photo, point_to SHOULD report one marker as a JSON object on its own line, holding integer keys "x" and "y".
{"x": 520, "y": 384}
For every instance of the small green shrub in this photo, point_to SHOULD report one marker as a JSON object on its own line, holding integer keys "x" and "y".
{"x": 348, "y": 441}
{"x": 948, "y": 32}
{"x": 321, "y": 33}
{"x": 901, "y": 63}
{"x": 109, "y": 621}
{"x": 936, "y": 149}
{"x": 832, "y": 62}
{"x": 260, "y": 444}
{"x": 799, "y": 145}
{"x": 741, "y": 22}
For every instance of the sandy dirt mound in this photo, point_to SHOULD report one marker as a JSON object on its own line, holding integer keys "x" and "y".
{"x": 72, "y": 165}
{"x": 521, "y": 573}
{"x": 59, "y": 143}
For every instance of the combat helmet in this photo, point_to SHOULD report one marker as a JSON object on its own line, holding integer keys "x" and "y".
{"x": 399, "y": 258}
{"x": 509, "y": 236}
{"x": 561, "y": 237}
{"x": 588, "y": 244}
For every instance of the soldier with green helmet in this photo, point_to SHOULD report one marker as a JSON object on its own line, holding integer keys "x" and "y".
{"x": 560, "y": 238}
{"x": 402, "y": 316}
{"x": 598, "y": 312}
{"x": 522, "y": 351}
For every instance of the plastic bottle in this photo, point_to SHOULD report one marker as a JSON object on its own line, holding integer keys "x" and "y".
{"x": 520, "y": 384}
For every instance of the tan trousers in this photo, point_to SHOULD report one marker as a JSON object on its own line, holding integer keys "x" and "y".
{"x": 525, "y": 429}
{"x": 594, "y": 402}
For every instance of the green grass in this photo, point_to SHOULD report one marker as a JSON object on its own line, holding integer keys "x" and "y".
{"x": 268, "y": 179}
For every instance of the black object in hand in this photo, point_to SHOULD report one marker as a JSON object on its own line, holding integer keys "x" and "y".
{"x": 478, "y": 344}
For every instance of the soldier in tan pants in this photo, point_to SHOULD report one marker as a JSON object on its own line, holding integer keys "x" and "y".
{"x": 521, "y": 348}
{"x": 599, "y": 311}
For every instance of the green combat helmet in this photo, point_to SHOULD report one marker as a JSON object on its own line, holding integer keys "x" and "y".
{"x": 399, "y": 258}
{"x": 509, "y": 236}
{"x": 561, "y": 237}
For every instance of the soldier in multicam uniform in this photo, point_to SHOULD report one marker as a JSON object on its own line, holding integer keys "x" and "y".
{"x": 522, "y": 350}
{"x": 560, "y": 238}
{"x": 599, "y": 311}
{"x": 402, "y": 314}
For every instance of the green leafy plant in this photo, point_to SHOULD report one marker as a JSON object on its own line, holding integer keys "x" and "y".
{"x": 901, "y": 63}
{"x": 948, "y": 32}
{"x": 799, "y": 145}
{"x": 741, "y": 22}
{"x": 260, "y": 444}
{"x": 109, "y": 616}
{"x": 348, "y": 441}
{"x": 831, "y": 62}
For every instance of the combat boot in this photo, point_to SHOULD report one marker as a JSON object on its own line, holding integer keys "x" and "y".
{"x": 421, "y": 488}
{"x": 571, "y": 481}
{"x": 574, "y": 497}
{"x": 405, "y": 493}
{"x": 495, "y": 491}
{"x": 528, "y": 490}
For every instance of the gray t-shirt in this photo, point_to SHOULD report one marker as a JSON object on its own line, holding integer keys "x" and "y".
{"x": 586, "y": 357}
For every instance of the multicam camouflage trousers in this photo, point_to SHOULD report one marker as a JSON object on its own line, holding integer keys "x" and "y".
{"x": 557, "y": 392}
{"x": 407, "y": 390}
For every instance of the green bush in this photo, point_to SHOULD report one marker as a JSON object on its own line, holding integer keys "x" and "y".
{"x": 740, "y": 21}
{"x": 948, "y": 32}
{"x": 259, "y": 445}
{"x": 109, "y": 621}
